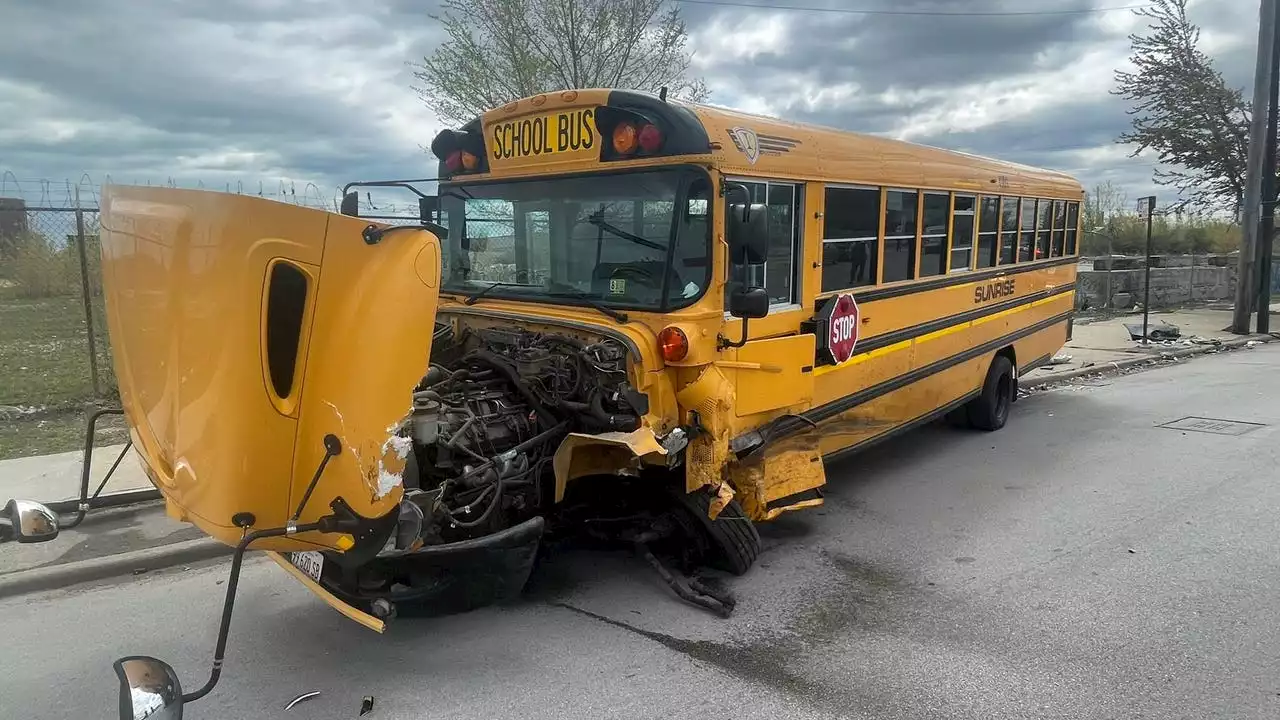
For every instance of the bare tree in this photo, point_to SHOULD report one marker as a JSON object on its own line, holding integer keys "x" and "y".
{"x": 501, "y": 50}
{"x": 1184, "y": 111}
{"x": 1104, "y": 202}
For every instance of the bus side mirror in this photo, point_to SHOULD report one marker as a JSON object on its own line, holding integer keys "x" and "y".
{"x": 149, "y": 689}
{"x": 748, "y": 231}
{"x": 428, "y": 207}
{"x": 351, "y": 204}
{"x": 749, "y": 303}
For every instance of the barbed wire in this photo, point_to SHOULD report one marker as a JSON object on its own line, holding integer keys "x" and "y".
{"x": 87, "y": 191}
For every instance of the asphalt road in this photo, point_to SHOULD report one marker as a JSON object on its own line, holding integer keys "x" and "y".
{"x": 1082, "y": 562}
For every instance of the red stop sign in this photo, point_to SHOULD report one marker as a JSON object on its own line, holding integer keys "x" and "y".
{"x": 839, "y": 321}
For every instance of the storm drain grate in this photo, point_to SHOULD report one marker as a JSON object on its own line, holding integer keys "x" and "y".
{"x": 1213, "y": 426}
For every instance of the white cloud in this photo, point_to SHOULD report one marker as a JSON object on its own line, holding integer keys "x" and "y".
{"x": 319, "y": 91}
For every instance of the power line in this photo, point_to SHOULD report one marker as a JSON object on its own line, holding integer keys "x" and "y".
{"x": 917, "y": 13}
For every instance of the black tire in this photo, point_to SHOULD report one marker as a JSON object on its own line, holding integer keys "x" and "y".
{"x": 732, "y": 540}
{"x": 990, "y": 410}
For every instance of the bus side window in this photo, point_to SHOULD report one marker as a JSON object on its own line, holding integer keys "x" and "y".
{"x": 1027, "y": 237}
{"x": 1059, "y": 219}
{"x": 933, "y": 237}
{"x": 1073, "y": 216}
{"x": 900, "y": 210}
{"x": 1008, "y": 230}
{"x": 850, "y": 238}
{"x": 988, "y": 231}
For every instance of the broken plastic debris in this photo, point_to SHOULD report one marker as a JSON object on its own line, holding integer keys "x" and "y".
{"x": 366, "y": 705}
{"x": 302, "y": 698}
{"x": 1253, "y": 343}
{"x": 1061, "y": 359}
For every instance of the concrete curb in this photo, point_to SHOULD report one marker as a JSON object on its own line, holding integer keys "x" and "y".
{"x": 53, "y": 577}
{"x": 108, "y": 500}
{"x": 1143, "y": 359}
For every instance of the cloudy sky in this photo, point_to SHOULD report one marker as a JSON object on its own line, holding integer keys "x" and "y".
{"x": 287, "y": 93}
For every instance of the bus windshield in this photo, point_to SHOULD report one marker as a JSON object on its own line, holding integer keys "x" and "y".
{"x": 636, "y": 240}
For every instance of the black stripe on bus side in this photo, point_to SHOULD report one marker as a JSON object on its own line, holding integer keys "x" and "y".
{"x": 915, "y": 331}
{"x": 787, "y": 424}
{"x": 872, "y": 294}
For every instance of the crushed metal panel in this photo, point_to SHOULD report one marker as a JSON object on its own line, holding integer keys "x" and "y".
{"x": 1213, "y": 426}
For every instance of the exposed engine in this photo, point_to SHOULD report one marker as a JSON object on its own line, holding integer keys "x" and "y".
{"x": 488, "y": 417}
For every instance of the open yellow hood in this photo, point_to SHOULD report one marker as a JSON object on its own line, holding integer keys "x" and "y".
{"x": 243, "y": 331}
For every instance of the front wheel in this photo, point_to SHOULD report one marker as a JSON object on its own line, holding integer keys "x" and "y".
{"x": 732, "y": 540}
{"x": 990, "y": 410}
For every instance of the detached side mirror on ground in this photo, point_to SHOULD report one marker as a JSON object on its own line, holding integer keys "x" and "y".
{"x": 29, "y": 521}
{"x": 149, "y": 689}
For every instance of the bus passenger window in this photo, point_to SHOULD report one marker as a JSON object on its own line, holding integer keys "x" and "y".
{"x": 1073, "y": 216}
{"x": 1044, "y": 220}
{"x": 1059, "y": 219}
{"x": 988, "y": 231}
{"x": 850, "y": 236}
{"x": 1027, "y": 236}
{"x": 1008, "y": 230}
{"x": 933, "y": 241}
{"x": 900, "y": 209}
{"x": 962, "y": 233}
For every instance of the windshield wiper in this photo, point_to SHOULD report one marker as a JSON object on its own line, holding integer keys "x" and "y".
{"x": 473, "y": 297}
{"x": 590, "y": 301}
{"x": 600, "y": 223}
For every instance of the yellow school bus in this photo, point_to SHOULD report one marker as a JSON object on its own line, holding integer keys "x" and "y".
{"x": 638, "y": 318}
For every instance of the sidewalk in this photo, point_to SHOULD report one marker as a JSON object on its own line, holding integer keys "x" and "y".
{"x": 110, "y": 542}
{"x": 1102, "y": 344}
{"x": 54, "y": 478}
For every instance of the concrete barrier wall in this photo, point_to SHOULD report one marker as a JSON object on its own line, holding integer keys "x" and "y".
{"x": 1175, "y": 280}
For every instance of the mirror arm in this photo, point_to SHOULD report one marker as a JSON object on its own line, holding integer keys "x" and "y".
{"x": 723, "y": 343}
{"x": 232, "y": 582}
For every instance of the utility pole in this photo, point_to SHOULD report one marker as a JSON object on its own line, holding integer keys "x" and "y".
{"x": 1246, "y": 292}
{"x": 1266, "y": 234}
{"x": 1147, "y": 205}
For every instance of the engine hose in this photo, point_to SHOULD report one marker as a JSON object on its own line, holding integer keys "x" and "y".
{"x": 505, "y": 369}
{"x": 488, "y": 510}
{"x": 622, "y": 423}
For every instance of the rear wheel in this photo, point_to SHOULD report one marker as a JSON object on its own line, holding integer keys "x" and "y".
{"x": 732, "y": 543}
{"x": 990, "y": 410}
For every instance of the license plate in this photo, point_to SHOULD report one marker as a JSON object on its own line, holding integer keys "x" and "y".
{"x": 309, "y": 562}
{"x": 570, "y": 132}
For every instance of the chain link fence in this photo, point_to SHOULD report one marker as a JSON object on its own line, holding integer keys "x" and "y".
{"x": 54, "y": 350}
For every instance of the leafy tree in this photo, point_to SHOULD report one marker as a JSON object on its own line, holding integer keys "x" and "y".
{"x": 1184, "y": 111}
{"x": 502, "y": 50}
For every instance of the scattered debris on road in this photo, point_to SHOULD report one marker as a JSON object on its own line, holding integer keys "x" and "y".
{"x": 1163, "y": 331}
{"x": 366, "y": 705}
{"x": 1061, "y": 359}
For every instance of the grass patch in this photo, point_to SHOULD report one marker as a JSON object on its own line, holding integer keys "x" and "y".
{"x": 55, "y": 432}
{"x": 44, "y": 352}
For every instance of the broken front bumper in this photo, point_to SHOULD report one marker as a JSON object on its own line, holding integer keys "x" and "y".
{"x": 436, "y": 579}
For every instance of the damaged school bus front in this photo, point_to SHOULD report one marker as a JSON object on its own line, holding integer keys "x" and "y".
{"x": 252, "y": 340}
{"x": 299, "y": 373}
